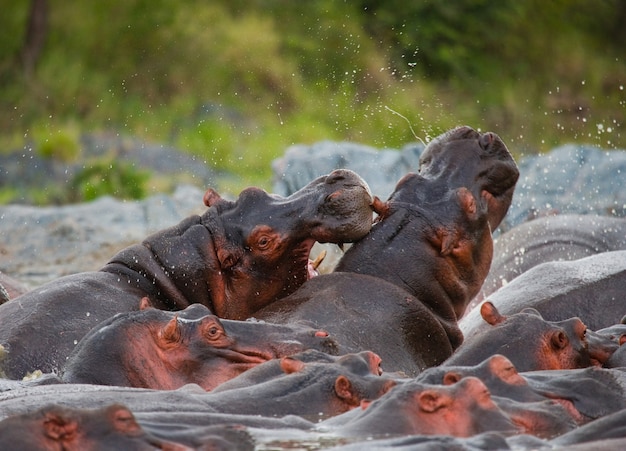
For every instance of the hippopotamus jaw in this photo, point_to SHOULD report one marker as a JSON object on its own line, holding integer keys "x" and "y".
{"x": 248, "y": 283}
{"x": 262, "y": 242}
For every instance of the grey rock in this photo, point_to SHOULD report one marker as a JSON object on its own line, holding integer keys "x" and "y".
{"x": 568, "y": 179}
{"x": 381, "y": 169}
{"x": 24, "y": 169}
{"x": 38, "y": 244}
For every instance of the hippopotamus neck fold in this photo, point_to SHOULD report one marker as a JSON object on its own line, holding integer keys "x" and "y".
{"x": 171, "y": 269}
{"x": 419, "y": 277}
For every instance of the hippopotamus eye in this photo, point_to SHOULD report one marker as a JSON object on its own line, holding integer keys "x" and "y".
{"x": 263, "y": 242}
{"x": 213, "y": 332}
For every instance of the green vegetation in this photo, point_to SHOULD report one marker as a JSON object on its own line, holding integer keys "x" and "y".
{"x": 236, "y": 82}
{"x": 109, "y": 178}
{"x": 61, "y": 144}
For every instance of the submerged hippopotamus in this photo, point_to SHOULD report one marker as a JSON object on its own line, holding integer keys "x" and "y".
{"x": 550, "y": 238}
{"x": 312, "y": 390}
{"x": 164, "y": 350}
{"x": 236, "y": 258}
{"x": 528, "y": 340}
{"x": 591, "y": 288}
{"x": 586, "y": 394}
{"x": 462, "y": 409}
{"x": 55, "y": 427}
{"x": 400, "y": 290}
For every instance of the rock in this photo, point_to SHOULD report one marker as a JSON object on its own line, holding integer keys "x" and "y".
{"x": 25, "y": 170}
{"x": 569, "y": 179}
{"x": 381, "y": 169}
{"x": 38, "y": 244}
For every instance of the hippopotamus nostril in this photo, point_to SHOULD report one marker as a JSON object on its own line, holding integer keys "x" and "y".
{"x": 486, "y": 139}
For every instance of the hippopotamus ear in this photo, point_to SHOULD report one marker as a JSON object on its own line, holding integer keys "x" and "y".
{"x": 467, "y": 201}
{"x": 559, "y": 339}
{"x": 451, "y": 378}
{"x": 289, "y": 365}
{"x": 122, "y": 419}
{"x": 431, "y": 400}
{"x": 490, "y": 313}
{"x": 212, "y": 197}
{"x": 170, "y": 334}
{"x": 344, "y": 390}
{"x": 380, "y": 208}
{"x": 145, "y": 303}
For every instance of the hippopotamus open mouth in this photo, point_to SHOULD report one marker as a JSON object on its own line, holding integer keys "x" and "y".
{"x": 262, "y": 242}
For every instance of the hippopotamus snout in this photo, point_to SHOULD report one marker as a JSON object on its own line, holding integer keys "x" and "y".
{"x": 346, "y": 212}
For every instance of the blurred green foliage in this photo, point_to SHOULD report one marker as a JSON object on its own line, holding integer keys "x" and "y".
{"x": 111, "y": 178}
{"x": 237, "y": 82}
{"x": 62, "y": 144}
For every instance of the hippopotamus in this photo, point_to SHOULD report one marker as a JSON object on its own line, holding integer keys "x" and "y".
{"x": 615, "y": 335}
{"x": 363, "y": 363}
{"x": 591, "y": 288}
{"x": 586, "y": 394}
{"x": 312, "y": 390}
{"x": 160, "y": 349}
{"x": 550, "y": 238}
{"x": 57, "y": 427}
{"x": 461, "y": 410}
{"x": 401, "y": 289}
{"x": 528, "y": 340}
{"x": 235, "y": 258}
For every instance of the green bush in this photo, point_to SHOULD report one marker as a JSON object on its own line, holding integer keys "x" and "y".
{"x": 61, "y": 144}
{"x": 112, "y": 178}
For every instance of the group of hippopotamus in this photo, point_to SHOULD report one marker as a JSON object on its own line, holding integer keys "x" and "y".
{"x": 218, "y": 333}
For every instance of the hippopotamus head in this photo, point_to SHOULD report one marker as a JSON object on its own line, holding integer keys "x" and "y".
{"x": 528, "y": 340}
{"x": 158, "y": 349}
{"x": 497, "y": 372}
{"x": 262, "y": 241}
{"x": 432, "y": 236}
{"x": 478, "y": 161}
{"x": 241, "y": 255}
{"x": 308, "y": 385}
{"x": 57, "y": 427}
{"x": 461, "y": 409}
